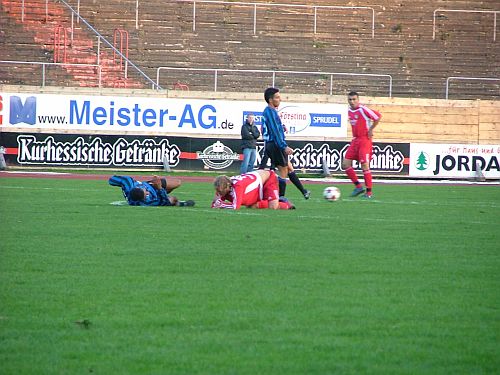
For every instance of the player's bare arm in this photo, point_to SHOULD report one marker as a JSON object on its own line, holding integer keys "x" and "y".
{"x": 373, "y": 126}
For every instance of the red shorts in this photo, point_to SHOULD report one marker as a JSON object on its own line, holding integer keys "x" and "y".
{"x": 360, "y": 149}
{"x": 270, "y": 189}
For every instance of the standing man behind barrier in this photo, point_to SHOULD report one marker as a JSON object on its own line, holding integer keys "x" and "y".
{"x": 249, "y": 135}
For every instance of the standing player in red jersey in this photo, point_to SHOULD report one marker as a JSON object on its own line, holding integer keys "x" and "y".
{"x": 258, "y": 189}
{"x": 363, "y": 120}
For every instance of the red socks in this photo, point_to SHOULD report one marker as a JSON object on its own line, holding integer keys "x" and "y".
{"x": 368, "y": 179}
{"x": 352, "y": 175}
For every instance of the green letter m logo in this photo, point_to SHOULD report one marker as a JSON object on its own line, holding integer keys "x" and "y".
{"x": 22, "y": 113}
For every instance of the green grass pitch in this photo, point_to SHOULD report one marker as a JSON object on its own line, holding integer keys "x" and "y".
{"x": 406, "y": 284}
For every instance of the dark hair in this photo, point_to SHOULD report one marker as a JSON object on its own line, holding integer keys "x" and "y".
{"x": 136, "y": 194}
{"x": 353, "y": 93}
{"x": 269, "y": 93}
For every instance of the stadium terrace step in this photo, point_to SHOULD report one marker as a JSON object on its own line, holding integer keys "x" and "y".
{"x": 403, "y": 46}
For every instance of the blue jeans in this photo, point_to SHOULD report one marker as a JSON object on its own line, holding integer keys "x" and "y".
{"x": 248, "y": 161}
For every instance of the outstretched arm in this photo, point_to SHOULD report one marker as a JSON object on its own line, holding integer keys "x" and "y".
{"x": 125, "y": 182}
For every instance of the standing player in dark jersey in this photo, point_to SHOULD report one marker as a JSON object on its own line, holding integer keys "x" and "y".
{"x": 151, "y": 193}
{"x": 276, "y": 148}
{"x": 363, "y": 120}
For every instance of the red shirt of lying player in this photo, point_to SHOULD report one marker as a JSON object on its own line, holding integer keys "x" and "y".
{"x": 258, "y": 189}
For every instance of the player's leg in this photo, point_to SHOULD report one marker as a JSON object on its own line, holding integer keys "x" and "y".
{"x": 270, "y": 195}
{"x": 264, "y": 159}
{"x": 350, "y": 155}
{"x": 170, "y": 184}
{"x": 296, "y": 181}
{"x": 280, "y": 160}
{"x": 364, "y": 158}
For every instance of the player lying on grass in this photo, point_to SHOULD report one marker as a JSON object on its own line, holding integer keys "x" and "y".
{"x": 258, "y": 189}
{"x": 150, "y": 193}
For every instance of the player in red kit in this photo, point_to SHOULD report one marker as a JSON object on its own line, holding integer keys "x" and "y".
{"x": 363, "y": 120}
{"x": 257, "y": 189}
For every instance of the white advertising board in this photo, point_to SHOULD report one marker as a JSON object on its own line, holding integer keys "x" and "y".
{"x": 454, "y": 160}
{"x": 162, "y": 115}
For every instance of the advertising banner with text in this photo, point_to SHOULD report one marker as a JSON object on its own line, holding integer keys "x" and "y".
{"x": 183, "y": 153}
{"x": 454, "y": 160}
{"x": 162, "y": 116}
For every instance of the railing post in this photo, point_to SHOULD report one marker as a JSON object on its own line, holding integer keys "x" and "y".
{"x": 43, "y": 75}
{"x": 72, "y": 26}
{"x": 157, "y": 77}
{"x": 434, "y": 25}
{"x": 137, "y": 14}
{"x": 78, "y": 11}
{"x": 99, "y": 50}
{"x": 373, "y": 23}
{"x": 194, "y": 16}
{"x": 254, "y": 19}
{"x": 495, "y": 26}
{"x": 274, "y": 78}
{"x": 215, "y": 83}
{"x": 331, "y": 84}
{"x": 315, "y": 17}
{"x": 22, "y": 12}
{"x": 99, "y": 69}
{"x": 447, "y": 87}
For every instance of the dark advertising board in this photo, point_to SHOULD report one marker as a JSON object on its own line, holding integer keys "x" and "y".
{"x": 182, "y": 153}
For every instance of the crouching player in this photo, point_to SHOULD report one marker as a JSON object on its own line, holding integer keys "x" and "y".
{"x": 257, "y": 189}
{"x": 150, "y": 193}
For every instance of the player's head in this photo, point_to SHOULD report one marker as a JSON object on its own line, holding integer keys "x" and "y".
{"x": 222, "y": 185}
{"x": 272, "y": 96}
{"x": 353, "y": 99}
{"x": 137, "y": 194}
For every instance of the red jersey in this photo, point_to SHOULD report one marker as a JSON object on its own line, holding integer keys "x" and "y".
{"x": 361, "y": 119}
{"x": 246, "y": 191}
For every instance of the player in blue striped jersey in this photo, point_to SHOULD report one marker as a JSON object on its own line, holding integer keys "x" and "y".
{"x": 154, "y": 192}
{"x": 275, "y": 146}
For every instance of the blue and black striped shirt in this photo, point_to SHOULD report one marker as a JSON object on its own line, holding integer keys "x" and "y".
{"x": 153, "y": 197}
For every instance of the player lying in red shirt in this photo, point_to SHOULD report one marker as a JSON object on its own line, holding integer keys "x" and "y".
{"x": 258, "y": 189}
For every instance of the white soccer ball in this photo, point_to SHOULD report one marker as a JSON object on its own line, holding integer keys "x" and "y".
{"x": 331, "y": 193}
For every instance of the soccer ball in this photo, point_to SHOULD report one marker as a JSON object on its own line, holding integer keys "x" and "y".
{"x": 331, "y": 193}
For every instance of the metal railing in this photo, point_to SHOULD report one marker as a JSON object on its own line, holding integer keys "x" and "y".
{"x": 266, "y": 5}
{"x": 467, "y": 79}
{"x": 44, "y": 64}
{"x": 99, "y": 36}
{"x": 465, "y": 11}
{"x": 273, "y": 72}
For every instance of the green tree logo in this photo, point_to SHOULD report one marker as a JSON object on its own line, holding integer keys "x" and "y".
{"x": 422, "y": 161}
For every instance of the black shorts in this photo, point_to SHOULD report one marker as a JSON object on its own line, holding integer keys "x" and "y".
{"x": 276, "y": 154}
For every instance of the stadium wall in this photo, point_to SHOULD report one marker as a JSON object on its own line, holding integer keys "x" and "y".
{"x": 405, "y": 121}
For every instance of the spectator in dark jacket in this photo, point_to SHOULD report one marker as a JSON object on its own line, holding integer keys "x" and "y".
{"x": 249, "y": 135}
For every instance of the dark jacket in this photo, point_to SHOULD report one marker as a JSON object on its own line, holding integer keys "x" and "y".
{"x": 249, "y": 135}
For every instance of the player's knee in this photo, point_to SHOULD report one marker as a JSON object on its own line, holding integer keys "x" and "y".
{"x": 173, "y": 183}
{"x": 346, "y": 163}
